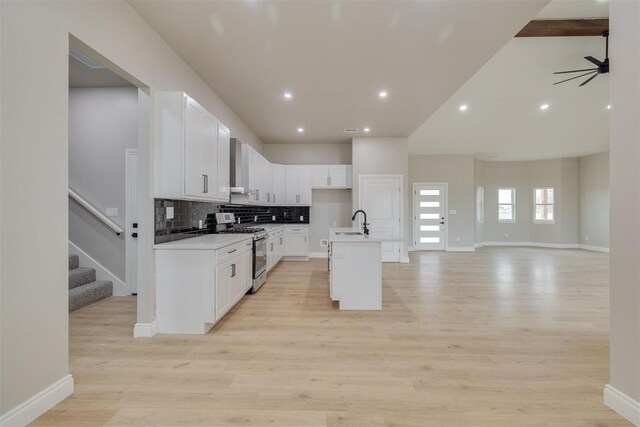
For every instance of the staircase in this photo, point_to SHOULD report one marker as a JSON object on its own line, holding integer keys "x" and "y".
{"x": 84, "y": 289}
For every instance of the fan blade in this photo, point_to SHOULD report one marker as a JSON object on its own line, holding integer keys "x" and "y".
{"x": 594, "y": 61}
{"x": 589, "y": 79}
{"x": 577, "y": 77}
{"x": 575, "y": 71}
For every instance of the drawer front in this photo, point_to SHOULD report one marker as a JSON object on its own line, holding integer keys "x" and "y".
{"x": 247, "y": 246}
{"x": 297, "y": 229}
{"x": 228, "y": 252}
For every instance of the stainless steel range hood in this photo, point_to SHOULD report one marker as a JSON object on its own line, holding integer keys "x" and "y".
{"x": 236, "y": 171}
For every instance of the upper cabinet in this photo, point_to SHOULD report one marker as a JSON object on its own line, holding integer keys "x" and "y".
{"x": 191, "y": 150}
{"x": 279, "y": 184}
{"x": 298, "y": 185}
{"x": 331, "y": 176}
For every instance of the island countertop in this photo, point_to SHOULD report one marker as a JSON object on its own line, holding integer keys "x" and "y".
{"x": 336, "y": 237}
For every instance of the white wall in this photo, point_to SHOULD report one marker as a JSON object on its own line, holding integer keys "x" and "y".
{"x": 560, "y": 174}
{"x": 594, "y": 200}
{"x": 624, "y": 300}
{"x": 384, "y": 156}
{"x": 34, "y": 170}
{"x": 458, "y": 172}
{"x": 329, "y": 206}
{"x": 103, "y": 123}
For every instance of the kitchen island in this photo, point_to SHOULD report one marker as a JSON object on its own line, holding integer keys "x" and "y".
{"x": 355, "y": 264}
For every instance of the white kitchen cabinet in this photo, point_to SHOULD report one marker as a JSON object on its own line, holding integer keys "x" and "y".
{"x": 195, "y": 288}
{"x": 267, "y": 181}
{"x": 223, "y": 182}
{"x": 331, "y": 176}
{"x": 296, "y": 242}
{"x": 279, "y": 184}
{"x": 188, "y": 161}
{"x": 298, "y": 185}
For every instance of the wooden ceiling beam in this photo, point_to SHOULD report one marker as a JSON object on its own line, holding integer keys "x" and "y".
{"x": 564, "y": 28}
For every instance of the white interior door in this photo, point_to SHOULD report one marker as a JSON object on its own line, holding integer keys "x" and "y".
{"x": 429, "y": 217}
{"x": 381, "y": 198}
{"x": 131, "y": 218}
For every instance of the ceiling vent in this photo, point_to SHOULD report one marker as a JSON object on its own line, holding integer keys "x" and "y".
{"x": 350, "y": 130}
{"x": 84, "y": 58}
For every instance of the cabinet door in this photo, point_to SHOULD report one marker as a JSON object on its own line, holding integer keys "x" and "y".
{"x": 210, "y": 156}
{"x": 279, "y": 186}
{"x": 267, "y": 181}
{"x": 223, "y": 282}
{"x": 248, "y": 270}
{"x": 293, "y": 196}
{"x": 223, "y": 164}
{"x": 320, "y": 177}
{"x": 338, "y": 176}
{"x": 236, "y": 287}
{"x": 304, "y": 185}
{"x": 271, "y": 253}
{"x": 193, "y": 167}
{"x": 296, "y": 244}
{"x": 254, "y": 172}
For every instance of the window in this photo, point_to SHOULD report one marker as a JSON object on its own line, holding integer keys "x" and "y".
{"x": 543, "y": 205}
{"x": 480, "y": 204}
{"x": 507, "y": 205}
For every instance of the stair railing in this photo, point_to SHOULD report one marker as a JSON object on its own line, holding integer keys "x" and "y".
{"x": 93, "y": 210}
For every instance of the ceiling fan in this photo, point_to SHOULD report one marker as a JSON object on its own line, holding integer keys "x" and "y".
{"x": 602, "y": 67}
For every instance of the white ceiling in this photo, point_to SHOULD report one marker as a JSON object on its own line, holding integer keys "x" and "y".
{"x": 335, "y": 56}
{"x": 504, "y": 121}
{"x": 81, "y": 75}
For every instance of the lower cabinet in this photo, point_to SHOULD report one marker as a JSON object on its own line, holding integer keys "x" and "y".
{"x": 275, "y": 248}
{"x": 296, "y": 242}
{"x": 195, "y": 288}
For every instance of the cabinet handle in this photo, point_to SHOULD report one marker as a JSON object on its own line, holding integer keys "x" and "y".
{"x": 328, "y": 181}
{"x": 297, "y": 198}
{"x": 257, "y": 195}
{"x": 233, "y": 270}
{"x": 230, "y": 252}
{"x": 205, "y": 183}
{"x": 268, "y": 197}
{"x": 274, "y": 198}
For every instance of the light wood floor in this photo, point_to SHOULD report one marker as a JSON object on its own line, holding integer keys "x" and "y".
{"x": 500, "y": 337}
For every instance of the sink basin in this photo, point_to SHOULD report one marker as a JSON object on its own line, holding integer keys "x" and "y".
{"x": 349, "y": 233}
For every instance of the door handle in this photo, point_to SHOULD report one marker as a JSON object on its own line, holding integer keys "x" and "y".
{"x": 442, "y": 222}
{"x": 134, "y": 235}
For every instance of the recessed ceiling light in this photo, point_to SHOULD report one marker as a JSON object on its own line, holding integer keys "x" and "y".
{"x": 300, "y": 130}
{"x": 609, "y": 107}
{"x": 544, "y": 106}
{"x": 382, "y": 94}
{"x": 366, "y": 130}
{"x": 288, "y": 95}
{"x": 463, "y": 107}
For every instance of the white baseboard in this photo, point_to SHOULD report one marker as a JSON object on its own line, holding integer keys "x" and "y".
{"x": 410, "y": 249}
{"x": 295, "y": 258}
{"x": 461, "y": 249}
{"x": 622, "y": 404}
{"x": 37, "y": 405}
{"x": 593, "y": 248}
{"x": 145, "y": 330}
{"x": 119, "y": 287}
{"x": 530, "y": 244}
{"x": 318, "y": 255}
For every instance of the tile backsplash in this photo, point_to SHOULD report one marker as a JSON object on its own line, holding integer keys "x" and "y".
{"x": 187, "y": 216}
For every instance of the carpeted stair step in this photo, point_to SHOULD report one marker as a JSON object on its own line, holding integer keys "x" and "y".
{"x": 74, "y": 262}
{"x": 81, "y": 276}
{"x": 89, "y": 293}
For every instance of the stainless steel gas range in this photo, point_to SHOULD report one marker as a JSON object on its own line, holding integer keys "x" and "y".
{"x": 226, "y": 225}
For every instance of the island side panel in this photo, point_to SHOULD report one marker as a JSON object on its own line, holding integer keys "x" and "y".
{"x": 357, "y": 272}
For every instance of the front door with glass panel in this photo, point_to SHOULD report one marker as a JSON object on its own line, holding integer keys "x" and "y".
{"x": 429, "y": 217}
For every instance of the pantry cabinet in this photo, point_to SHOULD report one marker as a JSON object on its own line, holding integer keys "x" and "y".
{"x": 191, "y": 150}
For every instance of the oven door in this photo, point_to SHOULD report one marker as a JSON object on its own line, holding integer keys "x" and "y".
{"x": 259, "y": 257}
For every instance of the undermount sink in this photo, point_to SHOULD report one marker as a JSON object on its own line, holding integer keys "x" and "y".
{"x": 349, "y": 233}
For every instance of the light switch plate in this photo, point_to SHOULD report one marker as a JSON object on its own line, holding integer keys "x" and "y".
{"x": 453, "y": 211}
{"x": 324, "y": 242}
{"x": 112, "y": 212}
{"x": 169, "y": 212}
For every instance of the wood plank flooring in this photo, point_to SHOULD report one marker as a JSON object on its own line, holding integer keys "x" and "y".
{"x": 499, "y": 337}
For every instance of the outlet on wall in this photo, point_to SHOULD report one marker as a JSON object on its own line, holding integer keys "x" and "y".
{"x": 255, "y": 218}
{"x": 586, "y": 238}
{"x": 200, "y": 223}
{"x": 301, "y": 217}
{"x": 112, "y": 212}
{"x": 273, "y": 218}
{"x": 324, "y": 242}
{"x": 169, "y": 212}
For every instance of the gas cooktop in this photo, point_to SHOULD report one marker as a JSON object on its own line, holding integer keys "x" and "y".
{"x": 244, "y": 230}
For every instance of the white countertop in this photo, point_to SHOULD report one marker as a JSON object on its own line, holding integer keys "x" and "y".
{"x": 357, "y": 238}
{"x": 206, "y": 242}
